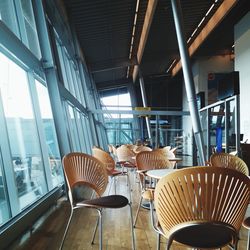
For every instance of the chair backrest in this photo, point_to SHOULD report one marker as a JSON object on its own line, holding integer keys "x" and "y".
{"x": 199, "y": 196}
{"x": 167, "y": 153}
{"x": 228, "y": 161}
{"x": 141, "y": 149}
{"x": 147, "y": 160}
{"x": 125, "y": 154}
{"x": 105, "y": 158}
{"x": 83, "y": 169}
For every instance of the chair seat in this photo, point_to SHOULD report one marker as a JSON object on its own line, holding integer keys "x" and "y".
{"x": 246, "y": 223}
{"x": 205, "y": 235}
{"x": 126, "y": 164}
{"x": 115, "y": 172}
{"x": 111, "y": 201}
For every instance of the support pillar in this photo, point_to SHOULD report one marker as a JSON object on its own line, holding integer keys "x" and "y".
{"x": 188, "y": 79}
{"x": 144, "y": 101}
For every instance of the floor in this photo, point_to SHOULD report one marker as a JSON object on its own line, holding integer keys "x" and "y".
{"x": 116, "y": 228}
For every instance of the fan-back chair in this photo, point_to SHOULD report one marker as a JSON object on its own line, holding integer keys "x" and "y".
{"x": 148, "y": 160}
{"x": 83, "y": 169}
{"x": 202, "y": 207}
{"x": 228, "y": 161}
{"x": 109, "y": 162}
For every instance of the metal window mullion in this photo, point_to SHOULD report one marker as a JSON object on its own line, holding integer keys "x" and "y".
{"x": 227, "y": 117}
{"x": 8, "y": 165}
{"x": 51, "y": 76}
{"x": 76, "y": 125}
{"x": 237, "y": 123}
{"x": 40, "y": 130}
{"x": 208, "y": 111}
{"x": 21, "y": 23}
{"x": 89, "y": 132}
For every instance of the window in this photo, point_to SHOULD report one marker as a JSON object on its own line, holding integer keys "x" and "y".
{"x": 50, "y": 134}
{"x": 25, "y": 149}
{"x": 30, "y": 28}
{"x": 7, "y": 15}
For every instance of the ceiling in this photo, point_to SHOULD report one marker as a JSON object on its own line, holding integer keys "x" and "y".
{"x": 105, "y": 27}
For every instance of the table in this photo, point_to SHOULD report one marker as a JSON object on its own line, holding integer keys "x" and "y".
{"x": 176, "y": 160}
{"x": 159, "y": 173}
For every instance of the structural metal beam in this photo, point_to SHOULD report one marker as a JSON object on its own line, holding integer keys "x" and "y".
{"x": 144, "y": 34}
{"x": 188, "y": 79}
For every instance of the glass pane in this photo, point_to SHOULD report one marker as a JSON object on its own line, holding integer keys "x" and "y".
{"x": 8, "y": 16}
{"x": 50, "y": 134}
{"x": 30, "y": 27}
{"x": 231, "y": 126}
{"x": 25, "y": 149}
{"x": 72, "y": 129}
{"x": 4, "y": 206}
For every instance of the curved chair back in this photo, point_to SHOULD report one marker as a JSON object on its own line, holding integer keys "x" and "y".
{"x": 141, "y": 149}
{"x": 202, "y": 207}
{"x": 83, "y": 169}
{"x": 229, "y": 161}
{"x": 125, "y": 154}
{"x": 105, "y": 158}
{"x": 147, "y": 160}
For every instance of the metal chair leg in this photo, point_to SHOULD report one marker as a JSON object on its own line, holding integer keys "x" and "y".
{"x": 137, "y": 211}
{"x": 110, "y": 185}
{"x": 132, "y": 227}
{"x": 100, "y": 229}
{"x": 66, "y": 229}
{"x": 158, "y": 241}
{"x": 94, "y": 233}
{"x": 248, "y": 240}
{"x": 129, "y": 188}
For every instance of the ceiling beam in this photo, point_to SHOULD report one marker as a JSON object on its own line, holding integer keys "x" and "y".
{"x": 111, "y": 64}
{"x": 213, "y": 22}
{"x": 144, "y": 34}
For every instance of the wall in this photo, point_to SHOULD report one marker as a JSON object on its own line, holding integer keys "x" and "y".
{"x": 242, "y": 61}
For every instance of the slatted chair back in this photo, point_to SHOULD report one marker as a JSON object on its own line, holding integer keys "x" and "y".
{"x": 167, "y": 153}
{"x": 141, "y": 149}
{"x": 124, "y": 154}
{"x": 105, "y": 158}
{"x": 229, "y": 161}
{"x": 202, "y": 207}
{"x": 147, "y": 160}
{"x": 83, "y": 169}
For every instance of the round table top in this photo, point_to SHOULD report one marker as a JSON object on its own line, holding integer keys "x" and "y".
{"x": 159, "y": 173}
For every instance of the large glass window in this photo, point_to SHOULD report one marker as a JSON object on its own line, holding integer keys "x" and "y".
{"x": 30, "y": 27}
{"x": 7, "y": 15}
{"x": 50, "y": 134}
{"x": 22, "y": 132}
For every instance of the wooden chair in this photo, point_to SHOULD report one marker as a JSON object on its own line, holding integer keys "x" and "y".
{"x": 83, "y": 169}
{"x": 147, "y": 160}
{"x": 202, "y": 207}
{"x": 141, "y": 149}
{"x": 109, "y": 162}
{"x": 228, "y": 161}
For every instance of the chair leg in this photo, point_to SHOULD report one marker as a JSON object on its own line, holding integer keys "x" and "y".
{"x": 66, "y": 229}
{"x": 132, "y": 227}
{"x": 100, "y": 229}
{"x": 94, "y": 233}
{"x": 248, "y": 240}
{"x": 129, "y": 188}
{"x": 137, "y": 212}
{"x": 110, "y": 185}
{"x": 158, "y": 241}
